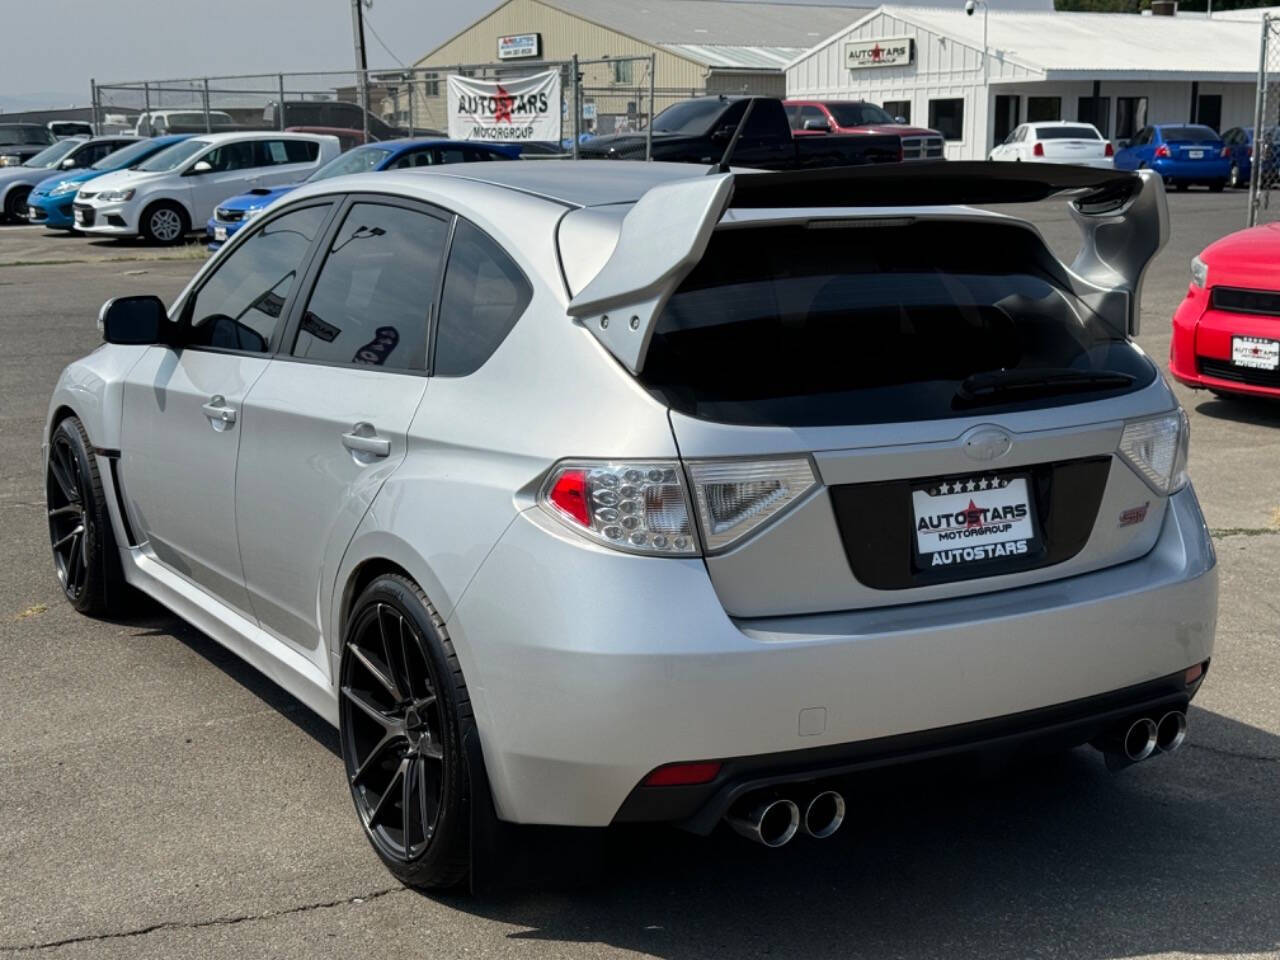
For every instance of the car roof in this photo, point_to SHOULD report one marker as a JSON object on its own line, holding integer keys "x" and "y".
{"x": 577, "y": 183}
{"x": 215, "y": 138}
{"x": 113, "y": 137}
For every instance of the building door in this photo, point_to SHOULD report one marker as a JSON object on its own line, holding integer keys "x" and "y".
{"x": 1209, "y": 110}
{"x": 1131, "y": 116}
{"x": 1007, "y": 116}
{"x": 1044, "y": 109}
{"x": 1095, "y": 110}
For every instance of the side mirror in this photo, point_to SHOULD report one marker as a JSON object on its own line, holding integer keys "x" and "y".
{"x": 201, "y": 166}
{"x": 817, "y": 125}
{"x": 134, "y": 320}
{"x": 68, "y": 164}
{"x": 900, "y": 120}
{"x": 722, "y": 134}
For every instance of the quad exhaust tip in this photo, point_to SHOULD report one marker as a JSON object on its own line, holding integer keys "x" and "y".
{"x": 1171, "y": 731}
{"x": 1140, "y": 739}
{"x": 772, "y": 822}
{"x": 823, "y": 814}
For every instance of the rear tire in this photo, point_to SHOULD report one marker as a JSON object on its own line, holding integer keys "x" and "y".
{"x": 15, "y": 204}
{"x": 84, "y": 546}
{"x": 404, "y": 713}
{"x": 164, "y": 223}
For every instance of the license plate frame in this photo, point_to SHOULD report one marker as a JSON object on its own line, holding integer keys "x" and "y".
{"x": 972, "y": 522}
{"x": 1255, "y": 353}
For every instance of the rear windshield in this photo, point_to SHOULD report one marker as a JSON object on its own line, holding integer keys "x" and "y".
{"x": 1192, "y": 132}
{"x": 804, "y": 326}
{"x": 1067, "y": 133}
{"x": 692, "y": 117}
{"x": 21, "y": 133}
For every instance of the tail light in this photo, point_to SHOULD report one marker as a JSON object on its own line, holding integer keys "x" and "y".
{"x": 641, "y": 507}
{"x": 735, "y": 497}
{"x": 1038, "y": 150}
{"x": 1248, "y": 151}
{"x": 645, "y": 506}
{"x": 1109, "y": 150}
{"x": 1157, "y": 448}
{"x": 1224, "y": 152}
{"x": 1163, "y": 150}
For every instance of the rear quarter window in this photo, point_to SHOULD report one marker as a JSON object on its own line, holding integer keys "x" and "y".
{"x": 803, "y": 327}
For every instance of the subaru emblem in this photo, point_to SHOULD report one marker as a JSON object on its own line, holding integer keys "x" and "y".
{"x": 987, "y": 443}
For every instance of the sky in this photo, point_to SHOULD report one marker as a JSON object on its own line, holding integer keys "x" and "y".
{"x": 150, "y": 39}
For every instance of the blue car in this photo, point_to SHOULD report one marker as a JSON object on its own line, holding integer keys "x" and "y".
{"x": 49, "y": 203}
{"x": 232, "y": 214}
{"x": 1238, "y": 145}
{"x": 1182, "y": 153}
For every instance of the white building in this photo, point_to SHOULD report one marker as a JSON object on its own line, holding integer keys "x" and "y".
{"x": 1117, "y": 71}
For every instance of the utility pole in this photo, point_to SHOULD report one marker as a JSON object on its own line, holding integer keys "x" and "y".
{"x": 362, "y": 63}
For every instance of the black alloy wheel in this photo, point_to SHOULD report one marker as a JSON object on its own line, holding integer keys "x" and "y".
{"x": 69, "y": 528}
{"x": 15, "y": 204}
{"x": 401, "y": 703}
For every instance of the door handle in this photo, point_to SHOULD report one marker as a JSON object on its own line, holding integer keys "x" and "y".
{"x": 363, "y": 438}
{"x": 218, "y": 411}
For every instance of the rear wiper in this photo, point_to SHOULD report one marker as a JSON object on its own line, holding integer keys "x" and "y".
{"x": 1005, "y": 386}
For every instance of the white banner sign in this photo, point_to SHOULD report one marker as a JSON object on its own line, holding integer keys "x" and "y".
{"x": 519, "y": 110}
{"x": 885, "y": 52}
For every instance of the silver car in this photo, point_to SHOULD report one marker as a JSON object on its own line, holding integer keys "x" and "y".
{"x": 581, "y": 494}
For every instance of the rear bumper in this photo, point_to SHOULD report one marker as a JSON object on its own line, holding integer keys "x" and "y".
{"x": 588, "y": 668}
{"x": 1193, "y": 171}
{"x": 1201, "y": 335}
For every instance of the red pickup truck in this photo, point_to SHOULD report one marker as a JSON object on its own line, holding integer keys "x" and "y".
{"x": 811, "y": 118}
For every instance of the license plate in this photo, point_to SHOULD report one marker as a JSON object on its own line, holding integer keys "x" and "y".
{"x": 79, "y": 214}
{"x": 1195, "y": 154}
{"x": 219, "y": 234}
{"x": 1255, "y": 352}
{"x": 972, "y": 519}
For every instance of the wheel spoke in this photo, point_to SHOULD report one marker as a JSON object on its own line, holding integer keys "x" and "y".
{"x": 75, "y": 564}
{"x": 387, "y": 795}
{"x": 63, "y": 481}
{"x": 395, "y": 664}
{"x": 383, "y": 680}
{"x": 390, "y": 724}
{"x": 428, "y": 828}
{"x": 375, "y": 756}
{"x": 79, "y": 529}
{"x": 69, "y": 510}
{"x": 406, "y": 801}
{"x": 431, "y": 751}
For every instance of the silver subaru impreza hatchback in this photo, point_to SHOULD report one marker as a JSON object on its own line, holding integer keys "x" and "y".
{"x": 590, "y": 493}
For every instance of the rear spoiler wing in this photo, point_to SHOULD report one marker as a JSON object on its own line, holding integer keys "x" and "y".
{"x": 1123, "y": 217}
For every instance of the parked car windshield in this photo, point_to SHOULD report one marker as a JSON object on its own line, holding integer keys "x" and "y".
{"x": 51, "y": 156}
{"x": 692, "y": 117}
{"x": 1067, "y": 133}
{"x": 795, "y": 326}
{"x": 125, "y": 156}
{"x": 174, "y": 157}
{"x": 359, "y": 160}
{"x": 858, "y": 114}
{"x": 1192, "y": 132}
{"x": 12, "y": 134}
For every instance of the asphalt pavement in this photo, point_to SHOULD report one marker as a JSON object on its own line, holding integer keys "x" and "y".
{"x": 161, "y": 799}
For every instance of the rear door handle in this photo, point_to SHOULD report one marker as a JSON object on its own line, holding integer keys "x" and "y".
{"x": 363, "y": 438}
{"x": 218, "y": 411}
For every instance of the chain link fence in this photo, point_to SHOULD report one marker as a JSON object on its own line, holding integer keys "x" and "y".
{"x": 598, "y": 97}
{"x": 1264, "y": 151}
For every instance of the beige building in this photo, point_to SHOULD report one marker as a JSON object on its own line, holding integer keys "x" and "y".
{"x": 697, "y": 46}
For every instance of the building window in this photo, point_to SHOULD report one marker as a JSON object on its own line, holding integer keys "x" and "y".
{"x": 1131, "y": 116}
{"x": 1209, "y": 110}
{"x": 431, "y": 84}
{"x": 1044, "y": 108}
{"x": 622, "y": 72}
{"x": 947, "y": 117}
{"x": 898, "y": 108}
{"x": 1095, "y": 110}
{"x": 1006, "y": 116}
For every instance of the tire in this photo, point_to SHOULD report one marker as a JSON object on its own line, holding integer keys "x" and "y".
{"x": 404, "y": 713}
{"x": 15, "y": 204}
{"x": 85, "y": 556}
{"x": 1217, "y": 186}
{"x": 164, "y": 223}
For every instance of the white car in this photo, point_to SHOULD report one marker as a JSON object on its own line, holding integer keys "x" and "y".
{"x": 161, "y": 199}
{"x": 159, "y": 122}
{"x": 1057, "y": 141}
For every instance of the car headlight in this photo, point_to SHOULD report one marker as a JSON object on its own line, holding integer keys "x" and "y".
{"x": 67, "y": 186}
{"x": 1157, "y": 448}
{"x": 1199, "y": 273}
{"x": 9, "y": 160}
{"x": 253, "y": 212}
{"x": 116, "y": 196}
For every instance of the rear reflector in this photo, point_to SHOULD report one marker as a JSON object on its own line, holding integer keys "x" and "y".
{"x": 1194, "y": 673}
{"x": 683, "y": 774}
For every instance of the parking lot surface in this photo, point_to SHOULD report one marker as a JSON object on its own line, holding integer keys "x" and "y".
{"x": 163, "y": 800}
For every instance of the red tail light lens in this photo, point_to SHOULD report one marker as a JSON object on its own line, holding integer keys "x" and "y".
{"x": 637, "y": 506}
{"x": 1110, "y": 151}
{"x": 1038, "y": 150}
{"x": 683, "y": 774}
{"x": 569, "y": 493}
{"x": 1163, "y": 150}
{"x": 1225, "y": 152}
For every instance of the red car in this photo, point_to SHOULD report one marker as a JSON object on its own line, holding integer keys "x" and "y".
{"x": 818, "y": 117}
{"x": 1226, "y": 333}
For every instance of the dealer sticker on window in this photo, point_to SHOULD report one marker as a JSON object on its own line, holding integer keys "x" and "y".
{"x": 972, "y": 519}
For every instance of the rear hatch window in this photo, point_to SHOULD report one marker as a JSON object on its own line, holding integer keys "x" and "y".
{"x": 835, "y": 323}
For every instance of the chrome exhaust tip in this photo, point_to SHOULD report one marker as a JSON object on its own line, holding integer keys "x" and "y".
{"x": 823, "y": 814}
{"x": 772, "y": 822}
{"x": 1171, "y": 731}
{"x": 1139, "y": 740}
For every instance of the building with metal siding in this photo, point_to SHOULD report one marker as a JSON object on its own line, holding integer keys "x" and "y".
{"x": 1117, "y": 71}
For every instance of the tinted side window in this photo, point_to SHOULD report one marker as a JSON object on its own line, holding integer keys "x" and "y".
{"x": 484, "y": 295}
{"x": 240, "y": 306}
{"x": 232, "y": 156}
{"x": 375, "y": 291}
{"x": 767, "y": 120}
